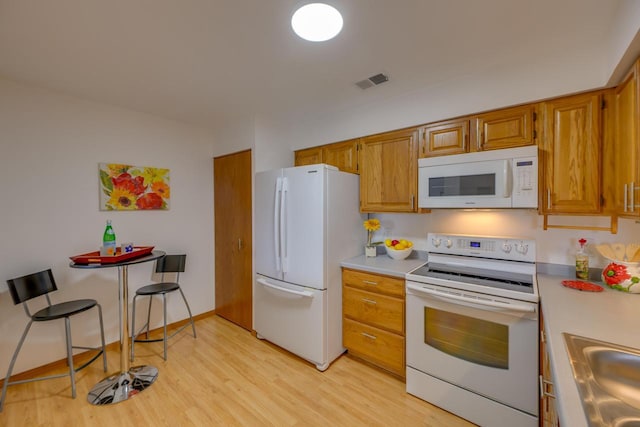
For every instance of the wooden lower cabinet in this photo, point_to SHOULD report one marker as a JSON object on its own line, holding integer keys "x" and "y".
{"x": 373, "y": 326}
{"x": 548, "y": 412}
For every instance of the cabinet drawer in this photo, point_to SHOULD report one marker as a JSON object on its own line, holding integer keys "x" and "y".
{"x": 378, "y": 310}
{"x": 373, "y": 282}
{"x": 382, "y": 348}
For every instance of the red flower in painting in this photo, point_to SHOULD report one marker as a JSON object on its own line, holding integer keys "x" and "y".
{"x": 149, "y": 201}
{"x": 124, "y": 181}
{"x": 614, "y": 274}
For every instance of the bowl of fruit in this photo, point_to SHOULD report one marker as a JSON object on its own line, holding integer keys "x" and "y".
{"x": 398, "y": 249}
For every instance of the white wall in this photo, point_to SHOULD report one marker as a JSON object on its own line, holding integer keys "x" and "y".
{"x": 50, "y": 147}
{"x": 624, "y": 40}
{"x": 273, "y": 149}
{"x": 235, "y": 136}
{"x": 557, "y": 246}
{"x": 479, "y": 90}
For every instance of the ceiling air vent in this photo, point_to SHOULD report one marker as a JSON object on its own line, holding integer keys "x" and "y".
{"x": 372, "y": 81}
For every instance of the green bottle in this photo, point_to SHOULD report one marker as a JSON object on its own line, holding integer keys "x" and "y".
{"x": 109, "y": 239}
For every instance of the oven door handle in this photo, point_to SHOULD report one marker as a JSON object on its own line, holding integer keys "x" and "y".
{"x": 496, "y": 304}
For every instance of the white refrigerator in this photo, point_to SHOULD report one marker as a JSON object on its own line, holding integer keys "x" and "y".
{"x": 307, "y": 220}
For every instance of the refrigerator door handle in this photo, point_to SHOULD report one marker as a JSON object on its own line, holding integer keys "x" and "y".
{"x": 276, "y": 223}
{"x": 285, "y": 290}
{"x": 283, "y": 225}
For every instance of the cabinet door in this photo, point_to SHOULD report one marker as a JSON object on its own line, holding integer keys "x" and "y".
{"x": 308, "y": 156}
{"x": 389, "y": 169}
{"x": 511, "y": 127}
{"x": 445, "y": 138}
{"x": 572, "y": 154}
{"x": 343, "y": 155}
{"x": 627, "y": 140}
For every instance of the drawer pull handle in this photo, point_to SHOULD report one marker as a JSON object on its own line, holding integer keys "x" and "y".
{"x": 369, "y": 282}
{"x": 366, "y": 335}
{"x": 369, "y": 301}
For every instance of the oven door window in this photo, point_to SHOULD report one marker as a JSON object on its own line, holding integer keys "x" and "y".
{"x": 475, "y": 340}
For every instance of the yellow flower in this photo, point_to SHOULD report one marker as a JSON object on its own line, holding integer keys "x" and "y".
{"x": 152, "y": 175}
{"x": 122, "y": 199}
{"x": 116, "y": 169}
{"x": 372, "y": 224}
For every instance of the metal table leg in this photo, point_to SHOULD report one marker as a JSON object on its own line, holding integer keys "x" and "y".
{"x": 130, "y": 380}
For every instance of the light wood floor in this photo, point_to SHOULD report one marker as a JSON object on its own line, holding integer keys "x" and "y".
{"x": 228, "y": 377}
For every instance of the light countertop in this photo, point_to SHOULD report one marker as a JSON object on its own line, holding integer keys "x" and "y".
{"x": 607, "y": 316}
{"x": 383, "y": 264}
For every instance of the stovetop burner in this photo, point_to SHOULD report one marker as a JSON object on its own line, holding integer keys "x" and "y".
{"x": 498, "y": 266}
{"x": 516, "y": 282}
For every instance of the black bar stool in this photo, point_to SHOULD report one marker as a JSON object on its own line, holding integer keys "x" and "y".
{"x": 167, "y": 264}
{"x": 25, "y": 288}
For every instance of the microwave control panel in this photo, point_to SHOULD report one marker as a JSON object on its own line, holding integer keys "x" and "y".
{"x": 525, "y": 182}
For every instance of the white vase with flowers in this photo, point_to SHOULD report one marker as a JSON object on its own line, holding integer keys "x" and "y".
{"x": 371, "y": 225}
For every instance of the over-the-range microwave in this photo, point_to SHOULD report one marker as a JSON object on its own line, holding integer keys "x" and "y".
{"x": 506, "y": 178}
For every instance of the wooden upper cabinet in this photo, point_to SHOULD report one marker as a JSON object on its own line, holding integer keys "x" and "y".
{"x": 627, "y": 144}
{"x": 572, "y": 150}
{"x": 506, "y": 128}
{"x": 445, "y": 138}
{"x": 343, "y": 155}
{"x": 389, "y": 172}
{"x": 308, "y": 156}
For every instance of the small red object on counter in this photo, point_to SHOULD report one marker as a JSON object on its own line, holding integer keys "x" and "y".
{"x": 582, "y": 286}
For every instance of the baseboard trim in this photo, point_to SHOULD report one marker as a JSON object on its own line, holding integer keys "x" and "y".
{"x": 85, "y": 355}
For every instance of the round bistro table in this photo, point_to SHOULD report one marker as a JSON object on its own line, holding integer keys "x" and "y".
{"x": 130, "y": 380}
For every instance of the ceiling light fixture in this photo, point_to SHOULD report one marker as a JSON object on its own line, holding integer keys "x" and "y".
{"x": 316, "y": 22}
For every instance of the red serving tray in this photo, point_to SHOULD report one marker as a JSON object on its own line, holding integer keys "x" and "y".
{"x": 95, "y": 258}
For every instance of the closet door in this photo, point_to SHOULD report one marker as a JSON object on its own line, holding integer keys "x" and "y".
{"x": 233, "y": 247}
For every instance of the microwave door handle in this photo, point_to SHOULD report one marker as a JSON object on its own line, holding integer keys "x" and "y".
{"x": 507, "y": 176}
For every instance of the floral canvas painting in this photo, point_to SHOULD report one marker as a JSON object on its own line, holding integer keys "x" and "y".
{"x": 126, "y": 187}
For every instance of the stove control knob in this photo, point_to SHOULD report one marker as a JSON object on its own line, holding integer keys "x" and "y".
{"x": 522, "y": 248}
{"x": 436, "y": 241}
{"x": 506, "y": 247}
{"x": 449, "y": 243}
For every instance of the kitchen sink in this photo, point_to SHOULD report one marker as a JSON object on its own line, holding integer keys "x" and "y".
{"x": 608, "y": 379}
